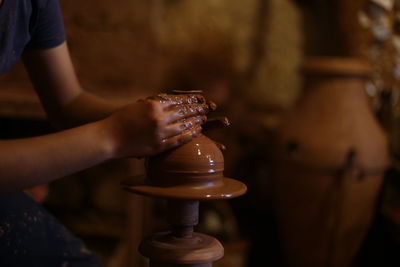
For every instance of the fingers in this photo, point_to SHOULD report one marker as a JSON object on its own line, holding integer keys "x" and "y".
{"x": 181, "y": 106}
{"x": 186, "y": 99}
{"x": 212, "y": 105}
{"x": 183, "y": 125}
{"x": 180, "y": 139}
{"x": 175, "y": 119}
{"x": 214, "y": 123}
{"x": 186, "y": 111}
{"x": 183, "y": 99}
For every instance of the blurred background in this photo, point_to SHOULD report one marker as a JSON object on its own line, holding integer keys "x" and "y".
{"x": 245, "y": 56}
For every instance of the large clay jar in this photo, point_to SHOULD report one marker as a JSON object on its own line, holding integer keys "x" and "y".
{"x": 328, "y": 159}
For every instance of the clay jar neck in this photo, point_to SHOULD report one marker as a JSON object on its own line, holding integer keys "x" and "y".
{"x": 339, "y": 90}
{"x": 336, "y": 81}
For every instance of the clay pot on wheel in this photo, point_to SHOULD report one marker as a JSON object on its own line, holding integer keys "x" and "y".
{"x": 185, "y": 175}
{"x": 329, "y": 158}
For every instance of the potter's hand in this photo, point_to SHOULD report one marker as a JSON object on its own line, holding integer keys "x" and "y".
{"x": 179, "y": 99}
{"x": 156, "y": 124}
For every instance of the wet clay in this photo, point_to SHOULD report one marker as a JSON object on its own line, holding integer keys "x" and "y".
{"x": 181, "y": 97}
{"x": 196, "y": 101}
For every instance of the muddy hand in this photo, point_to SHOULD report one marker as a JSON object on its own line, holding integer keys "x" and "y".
{"x": 194, "y": 100}
{"x": 151, "y": 126}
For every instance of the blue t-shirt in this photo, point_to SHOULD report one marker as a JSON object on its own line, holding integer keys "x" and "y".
{"x": 35, "y": 24}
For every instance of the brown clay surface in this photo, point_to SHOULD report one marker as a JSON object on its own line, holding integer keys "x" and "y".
{"x": 193, "y": 171}
{"x": 229, "y": 189}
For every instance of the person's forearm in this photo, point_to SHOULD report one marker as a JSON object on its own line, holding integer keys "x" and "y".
{"x": 66, "y": 103}
{"x": 33, "y": 161}
{"x": 140, "y": 129}
{"x": 84, "y": 108}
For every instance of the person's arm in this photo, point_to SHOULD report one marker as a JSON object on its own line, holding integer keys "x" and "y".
{"x": 139, "y": 129}
{"x": 54, "y": 79}
{"x": 33, "y": 161}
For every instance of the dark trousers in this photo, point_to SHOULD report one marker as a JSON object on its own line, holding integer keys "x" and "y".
{"x": 31, "y": 236}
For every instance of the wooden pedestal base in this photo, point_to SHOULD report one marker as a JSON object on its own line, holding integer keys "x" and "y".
{"x": 167, "y": 250}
